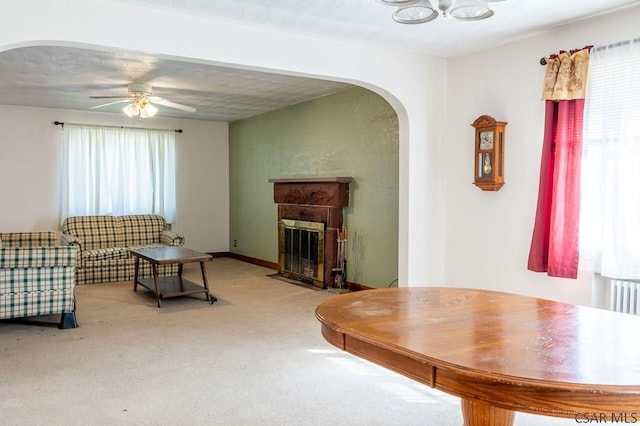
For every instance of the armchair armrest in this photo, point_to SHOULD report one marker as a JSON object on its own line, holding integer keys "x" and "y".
{"x": 170, "y": 238}
{"x": 37, "y": 257}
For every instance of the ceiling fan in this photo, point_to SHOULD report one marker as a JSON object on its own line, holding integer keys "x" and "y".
{"x": 141, "y": 102}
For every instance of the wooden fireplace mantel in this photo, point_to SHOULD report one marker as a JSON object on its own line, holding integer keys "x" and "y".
{"x": 312, "y": 180}
{"x": 316, "y": 191}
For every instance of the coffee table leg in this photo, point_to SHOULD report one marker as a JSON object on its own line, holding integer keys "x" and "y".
{"x": 475, "y": 413}
{"x": 180, "y": 269}
{"x": 154, "y": 267}
{"x": 210, "y": 297}
{"x": 135, "y": 275}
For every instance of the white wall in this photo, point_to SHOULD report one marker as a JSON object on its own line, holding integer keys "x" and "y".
{"x": 29, "y": 172}
{"x": 488, "y": 233}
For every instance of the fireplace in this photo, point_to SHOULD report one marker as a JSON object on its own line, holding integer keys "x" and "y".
{"x": 301, "y": 254}
{"x": 309, "y": 218}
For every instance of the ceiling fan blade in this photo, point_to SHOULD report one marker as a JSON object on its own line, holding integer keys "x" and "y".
{"x": 110, "y": 103}
{"x": 164, "y": 102}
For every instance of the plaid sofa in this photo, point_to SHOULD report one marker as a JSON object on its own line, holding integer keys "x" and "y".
{"x": 37, "y": 277}
{"x": 103, "y": 244}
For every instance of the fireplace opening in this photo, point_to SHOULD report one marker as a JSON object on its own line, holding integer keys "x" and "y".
{"x": 302, "y": 251}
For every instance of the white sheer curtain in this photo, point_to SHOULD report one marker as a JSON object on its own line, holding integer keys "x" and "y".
{"x": 111, "y": 170}
{"x": 610, "y": 198}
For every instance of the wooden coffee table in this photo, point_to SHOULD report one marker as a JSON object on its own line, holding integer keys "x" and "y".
{"x": 499, "y": 352}
{"x": 164, "y": 287}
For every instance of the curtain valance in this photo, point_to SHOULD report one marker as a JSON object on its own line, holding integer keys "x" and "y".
{"x": 566, "y": 75}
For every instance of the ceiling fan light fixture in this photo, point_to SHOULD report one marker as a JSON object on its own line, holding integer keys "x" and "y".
{"x": 470, "y": 10}
{"x": 140, "y": 108}
{"x": 417, "y": 12}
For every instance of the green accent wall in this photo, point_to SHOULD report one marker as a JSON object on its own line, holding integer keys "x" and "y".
{"x": 350, "y": 133}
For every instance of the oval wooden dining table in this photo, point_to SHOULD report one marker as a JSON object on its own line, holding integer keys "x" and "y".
{"x": 499, "y": 352}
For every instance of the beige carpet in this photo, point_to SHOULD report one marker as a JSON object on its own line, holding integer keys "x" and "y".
{"x": 254, "y": 357}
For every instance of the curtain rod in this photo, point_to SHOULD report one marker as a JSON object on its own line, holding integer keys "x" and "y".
{"x": 543, "y": 61}
{"x": 61, "y": 123}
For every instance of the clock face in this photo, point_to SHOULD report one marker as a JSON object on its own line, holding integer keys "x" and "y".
{"x": 486, "y": 140}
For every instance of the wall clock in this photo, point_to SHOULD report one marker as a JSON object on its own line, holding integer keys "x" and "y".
{"x": 489, "y": 153}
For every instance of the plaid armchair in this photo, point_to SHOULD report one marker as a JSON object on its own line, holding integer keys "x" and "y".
{"x": 103, "y": 244}
{"x": 37, "y": 277}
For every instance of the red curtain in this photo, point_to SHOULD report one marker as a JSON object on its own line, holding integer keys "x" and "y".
{"x": 554, "y": 244}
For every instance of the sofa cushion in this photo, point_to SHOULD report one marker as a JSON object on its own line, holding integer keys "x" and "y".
{"x": 147, "y": 246}
{"x": 102, "y": 254}
{"x": 101, "y": 266}
{"x": 143, "y": 229}
{"x": 95, "y": 232}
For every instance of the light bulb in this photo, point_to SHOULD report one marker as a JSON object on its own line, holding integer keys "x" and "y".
{"x": 148, "y": 110}
{"x": 131, "y": 110}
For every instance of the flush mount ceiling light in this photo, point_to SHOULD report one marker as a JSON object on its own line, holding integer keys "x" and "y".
{"x": 421, "y": 11}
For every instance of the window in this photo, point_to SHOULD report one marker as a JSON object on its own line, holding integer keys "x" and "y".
{"x": 113, "y": 170}
{"x": 610, "y": 198}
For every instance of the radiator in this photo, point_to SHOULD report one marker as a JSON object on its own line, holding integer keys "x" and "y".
{"x": 625, "y": 296}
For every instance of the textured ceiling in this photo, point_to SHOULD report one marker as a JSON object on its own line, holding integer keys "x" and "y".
{"x": 65, "y": 77}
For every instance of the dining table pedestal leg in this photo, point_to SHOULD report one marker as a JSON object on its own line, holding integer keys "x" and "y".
{"x": 476, "y": 413}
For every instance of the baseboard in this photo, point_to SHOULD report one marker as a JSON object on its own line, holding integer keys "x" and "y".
{"x": 271, "y": 265}
{"x": 218, "y": 254}
{"x": 253, "y": 260}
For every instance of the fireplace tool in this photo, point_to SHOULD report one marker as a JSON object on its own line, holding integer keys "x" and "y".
{"x": 340, "y": 272}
